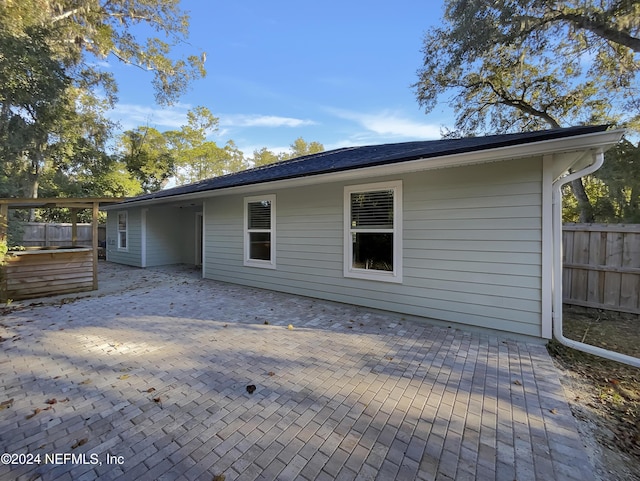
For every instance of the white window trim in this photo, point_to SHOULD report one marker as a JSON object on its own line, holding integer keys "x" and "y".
{"x": 370, "y": 274}
{"x": 270, "y": 264}
{"x": 126, "y": 230}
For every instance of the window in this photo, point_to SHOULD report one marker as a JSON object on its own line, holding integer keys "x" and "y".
{"x": 259, "y": 231}
{"x": 123, "y": 222}
{"x": 373, "y": 237}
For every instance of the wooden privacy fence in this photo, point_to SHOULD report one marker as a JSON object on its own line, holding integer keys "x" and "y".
{"x": 602, "y": 266}
{"x": 57, "y": 234}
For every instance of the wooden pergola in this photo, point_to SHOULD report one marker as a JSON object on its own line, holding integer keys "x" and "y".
{"x": 74, "y": 204}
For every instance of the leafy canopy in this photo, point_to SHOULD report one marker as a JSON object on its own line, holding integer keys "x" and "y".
{"x": 186, "y": 155}
{"x": 527, "y": 64}
{"x": 513, "y": 65}
{"x": 77, "y": 31}
{"x": 54, "y": 94}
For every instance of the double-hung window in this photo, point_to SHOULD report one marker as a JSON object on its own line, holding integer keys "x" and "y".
{"x": 260, "y": 231}
{"x": 373, "y": 231}
{"x": 123, "y": 229}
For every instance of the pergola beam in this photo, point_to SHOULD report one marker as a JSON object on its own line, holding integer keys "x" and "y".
{"x": 49, "y": 202}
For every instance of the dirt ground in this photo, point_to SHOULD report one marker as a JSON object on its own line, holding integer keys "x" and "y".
{"x": 604, "y": 395}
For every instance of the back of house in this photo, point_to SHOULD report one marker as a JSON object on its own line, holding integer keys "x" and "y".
{"x": 456, "y": 230}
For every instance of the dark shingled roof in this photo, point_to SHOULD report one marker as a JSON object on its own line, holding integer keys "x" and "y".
{"x": 349, "y": 158}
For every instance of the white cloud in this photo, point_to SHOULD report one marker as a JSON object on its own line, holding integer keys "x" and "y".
{"x": 249, "y": 149}
{"x": 239, "y": 120}
{"x": 390, "y": 124}
{"x": 131, "y": 116}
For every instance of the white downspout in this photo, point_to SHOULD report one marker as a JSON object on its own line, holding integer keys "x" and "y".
{"x": 557, "y": 269}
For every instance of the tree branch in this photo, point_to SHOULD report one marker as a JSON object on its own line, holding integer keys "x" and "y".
{"x": 518, "y": 104}
{"x": 582, "y": 21}
{"x": 129, "y": 62}
{"x": 603, "y": 30}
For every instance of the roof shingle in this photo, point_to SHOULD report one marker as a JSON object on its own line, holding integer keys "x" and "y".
{"x": 349, "y": 158}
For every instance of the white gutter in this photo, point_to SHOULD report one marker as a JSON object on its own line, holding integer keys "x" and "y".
{"x": 598, "y": 160}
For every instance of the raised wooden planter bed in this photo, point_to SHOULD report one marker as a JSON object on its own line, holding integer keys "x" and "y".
{"x": 46, "y": 271}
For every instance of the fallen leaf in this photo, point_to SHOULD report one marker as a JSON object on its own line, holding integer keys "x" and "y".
{"x": 517, "y": 383}
{"x": 51, "y": 401}
{"x": 157, "y": 399}
{"x": 151, "y": 389}
{"x": 35, "y": 411}
{"x": 219, "y": 477}
{"x": 251, "y": 388}
{"x": 6, "y": 404}
{"x": 553, "y": 411}
{"x": 290, "y": 327}
{"x": 86, "y": 381}
{"x": 123, "y": 377}
{"x": 271, "y": 373}
{"x": 79, "y": 443}
{"x": 266, "y": 323}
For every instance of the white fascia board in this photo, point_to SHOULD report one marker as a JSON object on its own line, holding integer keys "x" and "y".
{"x": 578, "y": 144}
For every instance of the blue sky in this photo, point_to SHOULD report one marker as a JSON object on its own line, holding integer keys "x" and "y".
{"x": 336, "y": 72}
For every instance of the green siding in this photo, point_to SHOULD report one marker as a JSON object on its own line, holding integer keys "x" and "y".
{"x": 170, "y": 236}
{"x": 471, "y": 237}
{"x": 132, "y": 255}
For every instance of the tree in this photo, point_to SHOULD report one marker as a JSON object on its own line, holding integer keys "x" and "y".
{"x": 196, "y": 157}
{"x": 596, "y": 40}
{"x": 147, "y": 156}
{"x": 620, "y": 176}
{"x": 234, "y": 158}
{"x": 78, "y": 31}
{"x": 300, "y": 147}
{"x": 208, "y": 160}
{"x": 264, "y": 157}
{"x": 33, "y": 96}
{"x": 48, "y": 72}
{"x": 523, "y": 65}
{"x": 185, "y": 154}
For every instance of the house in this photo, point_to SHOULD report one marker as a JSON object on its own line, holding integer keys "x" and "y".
{"x": 457, "y": 230}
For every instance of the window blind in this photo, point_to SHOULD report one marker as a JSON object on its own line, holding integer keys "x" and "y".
{"x": 372, "y": 210}
{"x": 259, "y": 215}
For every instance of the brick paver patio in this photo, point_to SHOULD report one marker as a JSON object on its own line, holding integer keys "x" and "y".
{"x": 151, "y": 383}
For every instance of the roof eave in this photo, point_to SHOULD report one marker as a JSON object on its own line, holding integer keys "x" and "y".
{"x": 578, "y": 143}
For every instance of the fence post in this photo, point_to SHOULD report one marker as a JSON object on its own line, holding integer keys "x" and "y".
{"x": 74, "y": 227}
{"x": 94, "y": 241}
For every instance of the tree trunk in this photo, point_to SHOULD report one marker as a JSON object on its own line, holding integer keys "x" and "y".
{"x": 584, "y": 205}
{"x": 33, "y": 181}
